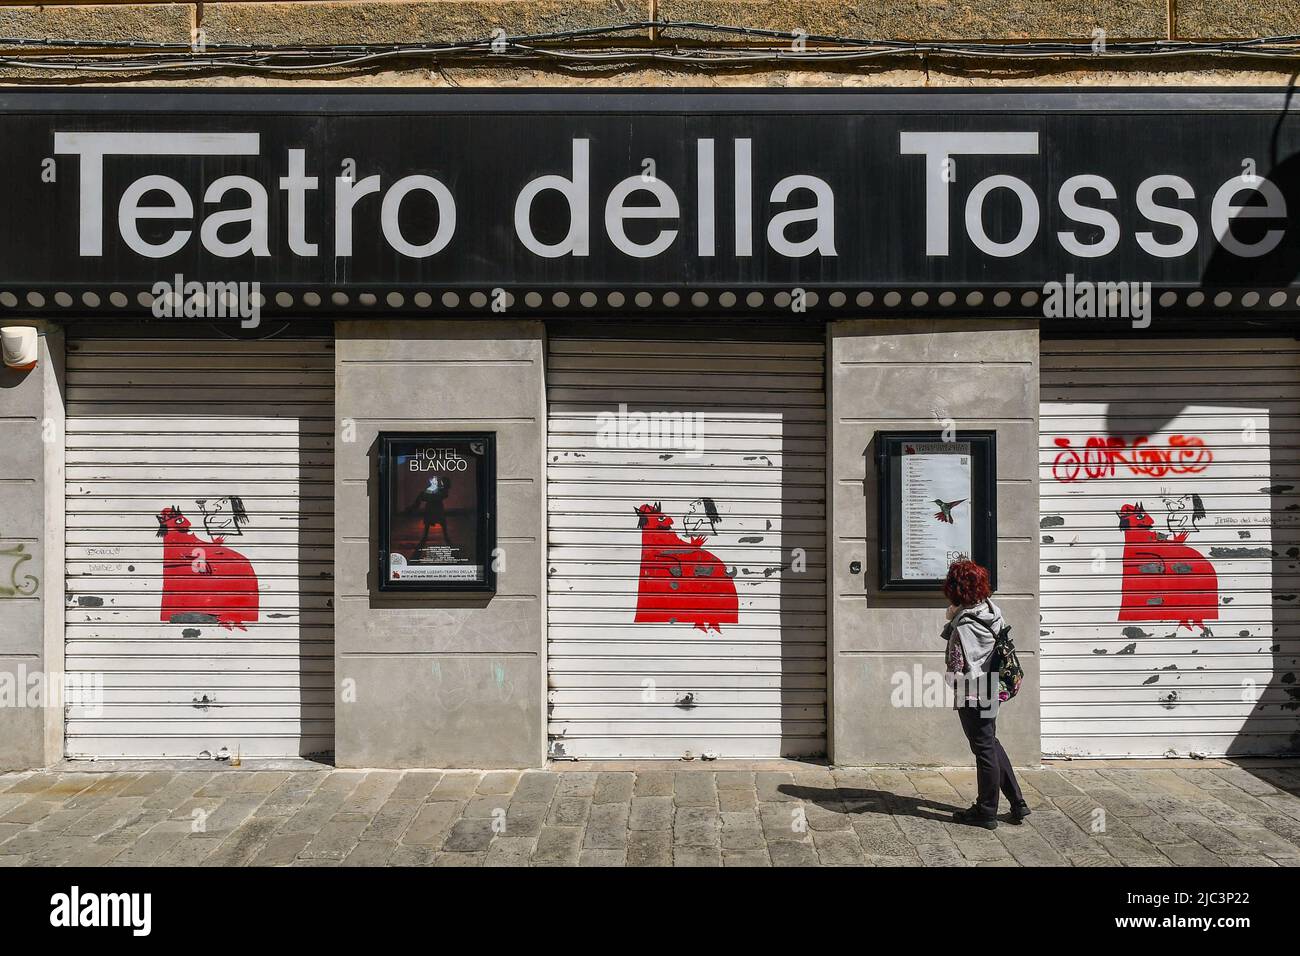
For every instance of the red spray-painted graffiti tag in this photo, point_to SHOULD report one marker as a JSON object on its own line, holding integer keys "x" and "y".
{"x": 203, "y": 583}
{"x": 1103, "y": 455}
{"x": 680, "y": 582}
{"x": 1164, "y": 580}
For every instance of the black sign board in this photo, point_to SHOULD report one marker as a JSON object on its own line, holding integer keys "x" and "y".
{"x": 437, "y": 511}
{"x": 937, "y": 497}
{"x": 434, "y": 202}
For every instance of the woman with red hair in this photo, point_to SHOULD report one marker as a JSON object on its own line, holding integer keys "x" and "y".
{"x": 974, "y": 623}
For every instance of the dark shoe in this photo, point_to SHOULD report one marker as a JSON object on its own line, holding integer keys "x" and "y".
{"x": 975, "y": 817}
{"x": 1018, "y": 812}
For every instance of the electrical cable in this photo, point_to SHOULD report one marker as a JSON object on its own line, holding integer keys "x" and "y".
{"x": 162, "y": 57}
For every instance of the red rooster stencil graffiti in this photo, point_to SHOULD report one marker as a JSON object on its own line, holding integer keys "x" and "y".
{"x": 680, "y": 582}
{"x": 203, "y": 583}
{"x": 1164, "y": 580}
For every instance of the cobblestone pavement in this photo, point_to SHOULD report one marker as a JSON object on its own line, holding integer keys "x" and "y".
{"x": 1221, "y": 815}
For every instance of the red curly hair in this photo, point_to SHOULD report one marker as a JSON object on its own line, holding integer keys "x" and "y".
{"x": 967, "y": 584}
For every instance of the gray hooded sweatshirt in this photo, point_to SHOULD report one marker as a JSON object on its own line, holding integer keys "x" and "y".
{"x": 977, "y": 628}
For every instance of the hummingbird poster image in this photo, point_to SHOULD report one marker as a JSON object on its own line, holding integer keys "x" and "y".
{"x": 936, "y": 512}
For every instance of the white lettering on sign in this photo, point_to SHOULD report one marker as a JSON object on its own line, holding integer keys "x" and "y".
{"x": 940, "y": 148}
{"x": 643, "y": 216}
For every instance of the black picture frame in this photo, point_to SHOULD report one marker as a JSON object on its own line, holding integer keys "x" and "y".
{"x": 480, "y": 446}
{"x": 890, "y": 446}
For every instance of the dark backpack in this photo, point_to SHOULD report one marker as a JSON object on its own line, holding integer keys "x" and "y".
{"x": 1006, "y": 664}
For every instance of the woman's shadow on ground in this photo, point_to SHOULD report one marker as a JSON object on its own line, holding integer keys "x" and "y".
{"x": 858, "y": 800}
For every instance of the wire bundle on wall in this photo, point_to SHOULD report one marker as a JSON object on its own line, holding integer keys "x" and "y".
{"x": 604, "y": 46}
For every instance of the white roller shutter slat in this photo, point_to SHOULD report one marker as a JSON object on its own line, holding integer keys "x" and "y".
{"x": 658, "y": 688}
{"x": 155, "y": 423}
{"x": 1168, "y": 631}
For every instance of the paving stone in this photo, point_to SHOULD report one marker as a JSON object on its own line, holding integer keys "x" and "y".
{"x": 1028, "y": 847}
{"x": 371, "y": 794}
{"x": 821, "y": 818}
{"x": 411, "y": 855}
{"x": 1050, "y": 783}
{"x": 940, "y": 854}
{"x": 614, "y": 788}
{"x": 558, "y": 846}
{"x": 733, "y": 780}
{"x": 190, "y": 851}
{"x": 742, "y": 831}
{"x": 455, "y": 786}
{"x": 838, "y": 848}
{"x": 97, "y": 855}
{"x": 755, "y": 857}
{"x": 469, "y": 835}
{"x": 697, "y": 856}
{"x": 460, "y": 859}
{"x": 498, "y": 782}
{"x": 653, "y": 783}
{"x": 1091, "y": 859}
{"x": 774, "y": 787}
{"x": 696, "y": 826}
{"x": 980, "y": 846}
{"x": 892, "y": 781}
{"x": 1285, "y": 827}
{"x": 536, "y": 786}
{"x": 148, "y": 784}
{"x": 884, "y": 817}
{"x": 1157, "y": 831}
{"x": 607, "y": 827}
{"x": 1214, "y": 838}
{"x": 30, "y": 811}
{"x": 112, "y": 813}
{"x": 731, "y": 800}
{"x": 1132, "y": 848}
{"x": 651, "y": 813}
{"x": 432, "y": 823}
{"x": 510, "y": 851}
{"x": 1062, "y": 833}
{"x": 525, "y": 819}
{"x": 602, "y": 857}
{"x": 919, "y": 830}
{"x": 882, "y": 843}
{"x": 391, "y": 821}
{"x": 415, "y": 785}
{"x": 650, "y": 848}
{"x": 178, "y": 790}
{"x": 370, "y": 853}
{"x": 694, "y": 788}
{"x": 1191, "y": 854}
{"x": 487, "y": 807}
{"x": 1245, "y": 780}
{"x": 315, "y": 813}
{"x": 147, "y": 848}
{"x": 576, "y": 783}
{"x": 783, "y": 822}
{"x": 788, "y": 853}
{"x": 334, "y": 841}
{"x": 569, "y": 811}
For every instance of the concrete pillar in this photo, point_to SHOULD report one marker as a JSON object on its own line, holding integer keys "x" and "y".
{"x": 893, "y": 375}
{"x": 31, "y": 557}
{"x": 424, "y": 679}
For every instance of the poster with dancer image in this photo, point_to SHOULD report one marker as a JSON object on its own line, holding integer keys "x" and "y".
{"x": 437, "y": 529}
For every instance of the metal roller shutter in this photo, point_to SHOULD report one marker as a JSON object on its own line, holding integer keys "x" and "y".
{"x": 1170, "y": 523}
{"x": 659, "y": 642}
{"x": 203, "y": 646}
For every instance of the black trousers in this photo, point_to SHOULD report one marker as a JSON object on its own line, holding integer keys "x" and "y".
{"x": 992, "y": 767}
